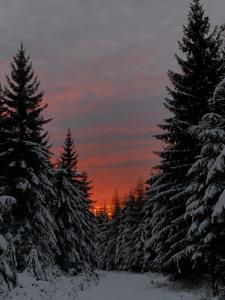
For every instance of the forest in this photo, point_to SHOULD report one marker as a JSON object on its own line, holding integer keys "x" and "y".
{"x": 172, "y": 223}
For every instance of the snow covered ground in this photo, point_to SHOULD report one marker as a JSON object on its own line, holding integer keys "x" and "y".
{"x": 125, "y": 286}
{"x": 111, "y": 286}
{"x": 30, "y": 289}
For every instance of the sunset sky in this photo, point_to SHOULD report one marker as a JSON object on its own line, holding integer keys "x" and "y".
{"x": 103, "y": 66}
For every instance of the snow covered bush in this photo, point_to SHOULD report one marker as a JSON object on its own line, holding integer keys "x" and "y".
{"x": 8, "y": 276}
{"x": 88, "y": 279}
{"x": 34, "y": 267}
{"x": 11, "y": 253}
{"x": 8, "y": 264}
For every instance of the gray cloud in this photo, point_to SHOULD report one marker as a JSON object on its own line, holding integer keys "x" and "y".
{"x": 101, "y": 62}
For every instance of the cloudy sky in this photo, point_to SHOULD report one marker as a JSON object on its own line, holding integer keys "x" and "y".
{"x": 103, "y": 66}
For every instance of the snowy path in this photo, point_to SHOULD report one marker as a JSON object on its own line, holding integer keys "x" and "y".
{"x": 126, "y": 286}
{"x": 111, "y": 286}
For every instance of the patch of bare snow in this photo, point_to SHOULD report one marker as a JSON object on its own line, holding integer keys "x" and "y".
{"x": 111, "y": 286}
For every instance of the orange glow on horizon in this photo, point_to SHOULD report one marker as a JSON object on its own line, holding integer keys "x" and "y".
{"x": 108, "y": 208}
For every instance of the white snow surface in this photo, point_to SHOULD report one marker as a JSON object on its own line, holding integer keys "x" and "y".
{"x": 111, "y": 286}
{"x": 62, "y": 288}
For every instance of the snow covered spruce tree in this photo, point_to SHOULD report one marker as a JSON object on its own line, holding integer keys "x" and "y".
{"x": 206, "y": 202}
{"x": 202, "y": 67}
{"x": 69, "y": 161}
{"x": 85, "y": 188}
{"x": 147, "y": 228}
{"x": 120, "y": 251}
{"x": 5, "y": 133}
{"x": 125, "y": 239}
{"x": 77, "y": 230}
{"x": 102, "y": 219}
{"x": 137, "y": 260}
{"x": 112, "y": 233}
{"x": 28, "y": 170}
{"x": 129, "y": 248}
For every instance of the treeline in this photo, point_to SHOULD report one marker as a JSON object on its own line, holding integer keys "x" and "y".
{"x": 178, "y": 226}
{"x": 46, "y": 223}
{"x": 120, "y": 237}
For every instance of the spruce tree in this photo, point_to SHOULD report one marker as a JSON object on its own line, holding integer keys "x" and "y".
{"x": 112, "y": 233}
{"x": 85, "y": 188}
{"x": 120, "y": 240}
{"x": 77, "y": 236}
{"x": 127, "y": 233}
{"x": 5, "y": 133}
{"x": 76, "y": 223}
{"x": 69, "y": 157}
{"x": 206, "y": 203}
{"x": 102, "y": 218}
{"x": 129, "y": 250}
{"x": 137, "y": 260}
{"x": 202, "y": 67}
{"x": 28, "y": 170}
{"x": 147, "y": 228}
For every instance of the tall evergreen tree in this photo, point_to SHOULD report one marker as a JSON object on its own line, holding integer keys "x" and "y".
{"x": 5, "y": 133}
{"x": 24, "y": 100}
{"x": 129, "y": 250}
{"x": 112, "y": 233}
{"x": 202, "y": 67}
{"x": 127, "y": 233}
{"x": 76, "y": 227}
{"x": 102, "y": 218}
{"x": 137, "y": 261}
{"x": 206, "y": 202}
{"x": 28, "y": 171}
{"x": 85, "y": 188}
{"x": 147, "y": 229}
{"x": 120, "y": 250}
{"x": 69, "y": 157}
{"x": 76, "y": 223}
